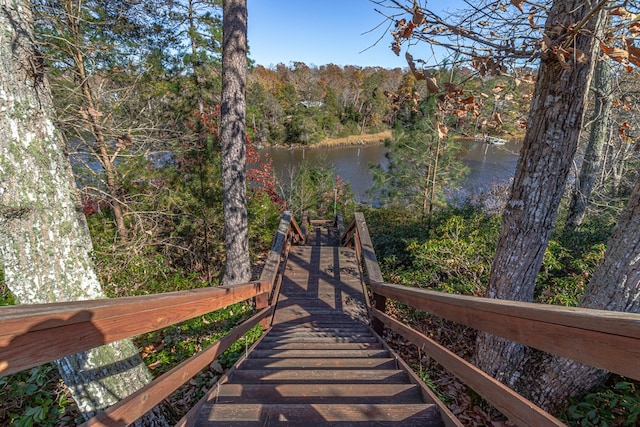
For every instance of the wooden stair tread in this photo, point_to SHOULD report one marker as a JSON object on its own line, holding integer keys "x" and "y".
{"x": 321, "y": 363}
{"x": 298, "y": 376}
{"x": 321, "y": 346}
{"x": 299, "y": 353}
{"x": 320, "y": 414}
{"x": 320, "y": 339}
{"x": 319, "y": 393}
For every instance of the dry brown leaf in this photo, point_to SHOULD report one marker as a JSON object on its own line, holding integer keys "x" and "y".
{"x": 412, "y": 66}
{"x": 442, "y": 130}
{"x": 395, "y": 47}
{"x": 634, "y": 29}
{"x": 615, "y": 53}
{"x": 577, "y": 55}
{"x": 634, "y": 54}
{"x": 623, "y": 13}
{"x": 408, "y": 30}
{"x": 452, "y": 89}
{"x": 432, "y": 83}
{"x": 418, "y": 15}
{"x": 532, "y": 21}
{"x": 497, "y": 118}
{"x": 518, "y": 4}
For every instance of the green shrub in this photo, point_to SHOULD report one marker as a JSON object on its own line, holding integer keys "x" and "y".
{"x": 34, "y": 397}
{"x": 611, "y": 406}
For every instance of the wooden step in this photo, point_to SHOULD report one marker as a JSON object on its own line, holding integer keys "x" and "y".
{"x": 320, "y": 339}
{"x": 301, "y": 376}
{"x": 319, "y": 393}
{"x": 255, "y": 414}
{"x": 324, "y": 346}
{"x": 318, "y": 331}
{"x": 299, "y": 353}
{"x": 320, "y": 363}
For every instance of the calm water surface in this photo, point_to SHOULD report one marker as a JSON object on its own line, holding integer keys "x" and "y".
{"x": 488, "y": 164}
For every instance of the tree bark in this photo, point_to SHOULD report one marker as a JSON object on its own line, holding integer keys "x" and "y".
{"x": 233, "y": 109}
{"x": 593, "y": 162}
{"x": 554, "y": 125}
{"x": 44, "y": 240}
{"x": 615, "y": 286}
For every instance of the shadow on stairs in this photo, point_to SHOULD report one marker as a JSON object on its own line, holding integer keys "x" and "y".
{"x": 320, "y": 363}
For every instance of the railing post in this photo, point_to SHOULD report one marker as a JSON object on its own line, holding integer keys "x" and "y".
{"x": 380, "y": 303}
{"x": 262, "y": 301}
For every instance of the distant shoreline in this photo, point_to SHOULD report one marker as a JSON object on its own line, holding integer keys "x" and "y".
{"x": 365, "y": 139}
{"x": 372, "y": 139}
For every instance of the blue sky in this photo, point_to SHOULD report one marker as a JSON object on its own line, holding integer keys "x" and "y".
{"x": 319, "y": 32}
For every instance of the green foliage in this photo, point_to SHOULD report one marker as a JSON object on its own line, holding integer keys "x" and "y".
{"x": 164, "y": 349}
{"x": 33, "y": 398}
{"x": 6, "y": 296}
{"x": 569, "y": 261}
{"x": 453, "y": 254}
{"x": 317, "y": 190}
{"x": 607, "y": 406}
{"x": 420, "y": 164}
{"x": 240, "y": 347}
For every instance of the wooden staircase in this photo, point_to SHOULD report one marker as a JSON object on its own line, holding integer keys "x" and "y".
{"x": 320, "y": 363}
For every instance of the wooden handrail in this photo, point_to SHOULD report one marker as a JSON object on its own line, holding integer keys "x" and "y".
{"x": 604, "y": 339}
{"x": 35, "y": 334}
{"x": 517, "y": 408}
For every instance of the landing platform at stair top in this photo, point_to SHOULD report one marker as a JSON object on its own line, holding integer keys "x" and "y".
{"x": 321, "y": 284}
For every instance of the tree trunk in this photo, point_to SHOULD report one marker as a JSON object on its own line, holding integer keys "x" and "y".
{"x": 44, "y": 240}
{"x": 592, "y": 163}
{"x": 234, "y": 77}
{"x": 615, "y": 286}
{"x": 554, "y": 124}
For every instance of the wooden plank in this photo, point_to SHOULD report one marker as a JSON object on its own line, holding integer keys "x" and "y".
{"x": 127, "y": 410}
{"x": 320, "y": 362}
{"x": 18, "y": 319}
{"x": 321, "y": 414}
{"x": 300, "y": 237}
{"x": 373, "y": 273}
{"x": 515, "y": 407}
{"x": 319, "y": 393}
{"x": 53, "y": 333}
{"x": 312, "y": 353}
{"x": 340, "y": 225}
{"x": 301, "y": 376}
{"x": 428, "y": 395}
{"x": 270, "y": 268}
{"x": 604, "y": 339}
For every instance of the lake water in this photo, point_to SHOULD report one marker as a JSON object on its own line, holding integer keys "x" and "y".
{"x": 488, "y": 163}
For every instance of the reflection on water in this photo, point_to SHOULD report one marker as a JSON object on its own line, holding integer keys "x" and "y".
{"x": 488, "y": 164}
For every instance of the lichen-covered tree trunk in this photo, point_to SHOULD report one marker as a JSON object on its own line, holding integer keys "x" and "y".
{"x": 553, "y": 129}
{"x": 592, "y": 162}
{"x": 615, "y": 286}
{"x": 44, "y": 241}
{"x": 233, "y": 137}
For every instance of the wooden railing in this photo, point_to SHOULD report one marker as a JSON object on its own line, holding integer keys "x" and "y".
{"x": 32, "y": 335}
{"x": 603, "y": 339}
